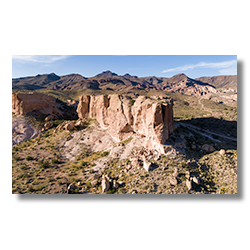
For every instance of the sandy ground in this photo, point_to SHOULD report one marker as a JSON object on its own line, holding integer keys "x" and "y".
{"x": 22, "y": 130}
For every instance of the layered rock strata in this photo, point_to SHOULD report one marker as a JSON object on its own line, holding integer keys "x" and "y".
{"x": 123, "y": 117}
{"x": 22, "y": 103}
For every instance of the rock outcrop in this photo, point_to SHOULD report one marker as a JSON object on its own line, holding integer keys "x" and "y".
{"x": 22, "y": 103}
{"x": 123, "y": 117}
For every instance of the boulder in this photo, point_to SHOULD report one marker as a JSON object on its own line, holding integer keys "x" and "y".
{"x": 222, "y": 152}
{"x": 173, "y": 181}
{"x": 105, "y": 184}
{"x": 175, "y": 174}
{"x": 207, "y": 148}
{"x": 115, "y": 184}
{"x": 70, "y": 126}
{"x": 187, "y": 174}
{"x": 196, "y": 180}
{"x": 49, "y": 118}
{"x": 147, "y": 165}
{"x": 79, "y": 123}
{"x": 136, "y": 163}
{"x": 48, "y": 125}
{"x": 94, "y": 183}
{"x": 71, "y": 187}
{"x": 189, "y": 184}
{"x": 96, "y": 176}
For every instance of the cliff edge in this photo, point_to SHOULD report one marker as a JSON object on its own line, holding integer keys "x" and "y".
{"x": 123, "y": 116}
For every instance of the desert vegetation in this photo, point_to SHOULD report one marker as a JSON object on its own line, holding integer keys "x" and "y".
{"x": 66, "y": 155}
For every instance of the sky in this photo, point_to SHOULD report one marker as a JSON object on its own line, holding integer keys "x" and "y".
{"x": 193, "y": 66}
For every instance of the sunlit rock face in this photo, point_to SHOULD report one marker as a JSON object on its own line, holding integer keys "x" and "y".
{"x": 22, "y": 103}
{"x": 123, "y": 116}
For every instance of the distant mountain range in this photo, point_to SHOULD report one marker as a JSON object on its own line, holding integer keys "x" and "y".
{"x": 108, "y": 80}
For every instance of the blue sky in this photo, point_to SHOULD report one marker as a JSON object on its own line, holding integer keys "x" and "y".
{"x": 140, "y": 65}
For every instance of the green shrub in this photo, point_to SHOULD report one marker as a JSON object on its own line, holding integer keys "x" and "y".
{"x": 132, "y": 101}
{"x": 17, "y": 158}
{"x": 88, "y": 184}
{"x": 105, "y": 153}
{"x": 84, "y": 163}
{"x": 31, "y": 189}
{"x": 43, "y": 164}
{"x": 29, "y": 158}
{"x": 54, "y": 161}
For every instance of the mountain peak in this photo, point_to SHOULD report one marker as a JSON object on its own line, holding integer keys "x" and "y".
{"x": 106, "y": 73}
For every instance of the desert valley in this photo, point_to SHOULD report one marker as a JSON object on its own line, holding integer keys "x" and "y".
{"x": 113, "y": 134}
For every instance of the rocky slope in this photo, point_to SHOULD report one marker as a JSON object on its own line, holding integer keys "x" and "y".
{"x": 123, "y": 116}
{"x": 23, "y": 103}
{"x": 220, "y": 81}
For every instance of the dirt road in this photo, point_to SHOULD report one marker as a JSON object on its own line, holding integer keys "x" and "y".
{"x": 206, "y": 132}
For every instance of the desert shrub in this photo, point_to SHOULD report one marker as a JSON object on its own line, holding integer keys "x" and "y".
{"x": 43, "y": 164}
{"x": 84, "y": 163}
{"x": 17, "y": 158}
{"x": 132, "y": 101}
{"x": 31, "y": 189}
{"x": 54, "y": 161}
{"x": 105, "y": 153}
{"x": 111, "y": 191}
{"x": 88, "y": 184}
{"x": 29, "y": 158}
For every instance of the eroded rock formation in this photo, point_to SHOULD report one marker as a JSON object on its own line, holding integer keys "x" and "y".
{"x": 22, "y": 103}
{"x": 123, "y": 117}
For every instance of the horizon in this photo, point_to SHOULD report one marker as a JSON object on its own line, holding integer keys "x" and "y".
{"x": 117, "y": 75}
{"x": 193, "y": 66}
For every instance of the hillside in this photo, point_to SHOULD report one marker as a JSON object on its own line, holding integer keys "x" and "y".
{"x": 220, "y": 81}
{"x": 113, "y": 82}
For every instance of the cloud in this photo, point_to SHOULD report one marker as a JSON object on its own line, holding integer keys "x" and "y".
{"x": 229, "y": 71}
{"x": 37, "y": 59}
{"x": 215, "y": 65}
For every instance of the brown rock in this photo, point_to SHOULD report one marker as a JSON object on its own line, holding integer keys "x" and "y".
{"x": 187, "y": 175}
{"x": 173, "y": 181}
{"x": 136, "y": 163}
{"x": 147, "y": 165}
{"x": 48, "y": 125}
{"x": 94, "y": 183}
{"x": 105, "y": 184}
{"x": 49, "y": 118}
{"x": 96, "y": 176}
{"x": 175, "y": 174}
{"x": 71, "y": 187}
{"x": 208, "y": 148}
{"x": 196, "y": 180}
{"x": 22, "y": 103}
{"x": 189, "y": 184}
{"x": 70, "y": 126}
{"x": 222, "y": 152}
{"x": 147, "y": 117}
{"x": 115, "y": 184}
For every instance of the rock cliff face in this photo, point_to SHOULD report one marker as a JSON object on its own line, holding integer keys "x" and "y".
{"x": 22, "y": 103}
{"x": 123, "y": 117}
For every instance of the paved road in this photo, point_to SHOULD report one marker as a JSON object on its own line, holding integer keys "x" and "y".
{"x": 206, "y": 132}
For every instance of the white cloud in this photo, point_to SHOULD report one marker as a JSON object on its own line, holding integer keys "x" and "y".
{"x": 38, "y": 59}
{"x": 215, "y": 65}
{"x": 229, "y": 71}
